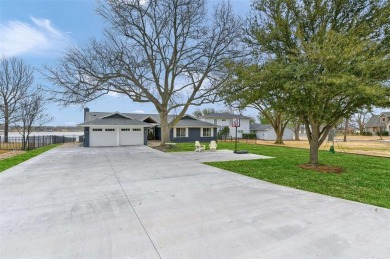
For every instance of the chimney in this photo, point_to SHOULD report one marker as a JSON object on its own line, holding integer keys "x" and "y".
{"x": 86, "y": 109}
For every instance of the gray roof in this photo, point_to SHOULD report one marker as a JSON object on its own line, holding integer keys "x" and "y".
{"x": 135, "y": 116}
{"x": 260, "y": 127}
{"x": 99, "y": 119}
{"x": 225, "y": 115}
{"x": 194, "y": 124}
{"x": 374, "y": 121}
{"x": 387, "y": 114}
{"x": 113, "y": 119}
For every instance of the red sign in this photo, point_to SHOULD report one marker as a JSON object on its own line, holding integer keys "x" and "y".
{"x": 236, "y": 122}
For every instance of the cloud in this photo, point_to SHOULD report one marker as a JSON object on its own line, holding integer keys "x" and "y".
{"x": 113, "y": 94}
{"x": 138, "y": 111}
{"x": 36, "y": 38}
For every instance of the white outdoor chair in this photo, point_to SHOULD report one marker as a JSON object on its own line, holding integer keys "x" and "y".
{"x": 199, "y": 147}
{"x": 213, "y": 145}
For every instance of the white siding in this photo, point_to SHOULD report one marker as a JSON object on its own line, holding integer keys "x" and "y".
{"x": 244, "y": 126}
{"x": 271, "y": 135}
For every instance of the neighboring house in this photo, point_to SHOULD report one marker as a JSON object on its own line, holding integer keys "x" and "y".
{"x": 378, "y": 122}
{"x": 266, "y": 132}
{"x": 123, "y": 129}
{"x": 226, "y": 119}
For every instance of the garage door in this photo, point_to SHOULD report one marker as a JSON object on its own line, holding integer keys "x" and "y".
{"x": 100, "y": 137}
{"x": 131, "y": 136}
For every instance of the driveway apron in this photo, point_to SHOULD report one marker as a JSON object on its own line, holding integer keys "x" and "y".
{"x": 137, "y": 202}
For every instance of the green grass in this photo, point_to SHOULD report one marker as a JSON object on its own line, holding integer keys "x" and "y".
{"x": 15, "y": 160}
{"x": 366, "y": 179}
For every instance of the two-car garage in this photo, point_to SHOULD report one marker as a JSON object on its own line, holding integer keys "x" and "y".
{"x": 114, "y": 130}
{"x": 119, "y": 136}
{"x": 107, "y": 137}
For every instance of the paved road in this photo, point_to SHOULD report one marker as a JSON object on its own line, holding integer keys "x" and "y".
{"x": 135, "y": 202}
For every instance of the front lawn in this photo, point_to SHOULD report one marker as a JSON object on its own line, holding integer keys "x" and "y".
{"x": 12, "y": 161}
{"x": 366, "y": 179}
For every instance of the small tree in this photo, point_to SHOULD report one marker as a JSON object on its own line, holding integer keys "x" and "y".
{"x": 203, "y": 112}
{"x": 31, "y": 113}
{"x": 248, "y": 89}
{"x": 15, "y": 79}
{"x": 361, "y": 117}
{"x": 224, "y": 131}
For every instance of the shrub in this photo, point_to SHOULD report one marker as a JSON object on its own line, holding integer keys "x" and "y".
{"x": 224, "y": 131}
{"x": 249, "y": 135}
{"x": 382, "y": 133}
{"x": 366, "y": 133}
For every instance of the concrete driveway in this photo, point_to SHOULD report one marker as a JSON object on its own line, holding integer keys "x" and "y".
{"x": 136, "y": 202}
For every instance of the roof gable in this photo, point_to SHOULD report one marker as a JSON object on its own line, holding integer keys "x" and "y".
{"x": 188, "y": 117}
{"x": 385, "y": 114}
{"x": 149, "y": 120}
{"x": 116, "y": 115}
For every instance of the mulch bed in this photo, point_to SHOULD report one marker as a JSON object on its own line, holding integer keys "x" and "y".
{"x": 323, "y": 168}
{"x": 164, "y": 148}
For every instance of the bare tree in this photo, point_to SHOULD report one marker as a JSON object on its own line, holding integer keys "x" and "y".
{"x": 31, "y": 113}
{"x": 167, "y": 52}
{"x": 204, "y": 111}
{"x": 15, "y": 79}
{"x": 361, "y": 117}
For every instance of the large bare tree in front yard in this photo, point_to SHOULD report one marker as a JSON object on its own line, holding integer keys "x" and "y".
{"x": 15, "y": 79}
{"x": 170, "y": 53}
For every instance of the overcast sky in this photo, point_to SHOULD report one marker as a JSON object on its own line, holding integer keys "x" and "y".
{"x": 39, "y": 30}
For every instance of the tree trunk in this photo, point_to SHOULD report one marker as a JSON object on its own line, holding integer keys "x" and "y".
{"x": 279, "y": 134}
{"x": 314, "y": 145}
{"x": 345, "y": 130}
{"x": 279, "y": 138}
{"x": 296, "y": 131}
{"x": 6, "y": 123}
{"x": 6, "y": 130}
{"x": 165, "y": 138}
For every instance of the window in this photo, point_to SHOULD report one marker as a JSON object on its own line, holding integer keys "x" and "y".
{"x": 240, "y": 131}
{"x": 180, "y": 132}
{"x": 125, "y": 129}
{"x": 110, "y": 129}
{"x": 223, "y": 119}
{"x": 383, "y": 119}
{"x": 215, "y": 121}
{"x": 206, "y": 132}
{"x": 136, "y": 129}
{"x": 97, "y": 130}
